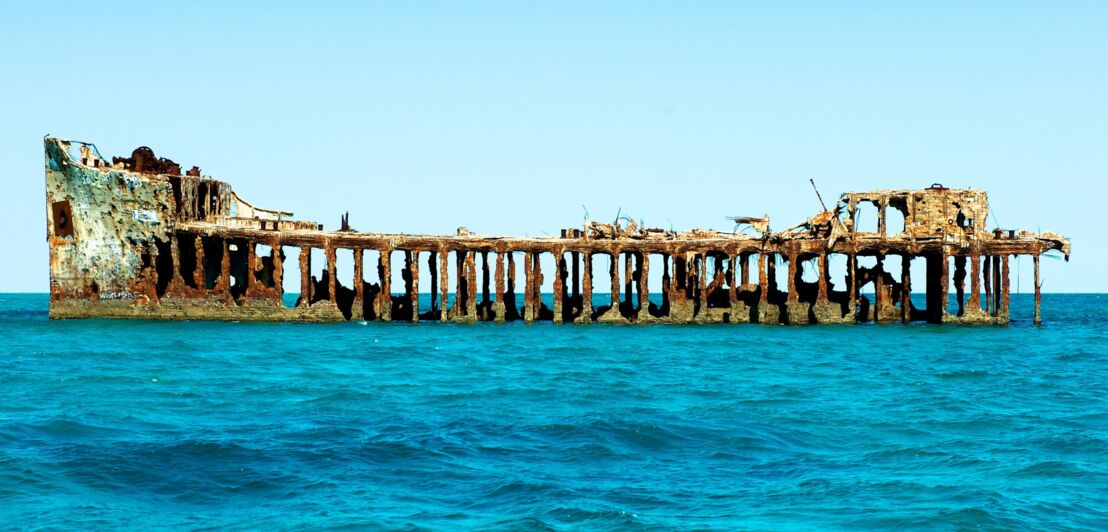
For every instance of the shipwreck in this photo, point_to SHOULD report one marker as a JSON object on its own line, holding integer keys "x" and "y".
{"x": 135, "y": 237}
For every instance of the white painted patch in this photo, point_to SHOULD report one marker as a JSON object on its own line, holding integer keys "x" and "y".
{"x": 146, "y": 216}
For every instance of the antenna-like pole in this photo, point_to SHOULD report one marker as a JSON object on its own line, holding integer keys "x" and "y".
{"x": 818, "y": 196}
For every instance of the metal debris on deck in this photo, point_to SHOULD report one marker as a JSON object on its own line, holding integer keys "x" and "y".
{"x": 135, "y": 238}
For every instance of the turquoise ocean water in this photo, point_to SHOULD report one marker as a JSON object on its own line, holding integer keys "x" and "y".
{"x": 133, "y": 424}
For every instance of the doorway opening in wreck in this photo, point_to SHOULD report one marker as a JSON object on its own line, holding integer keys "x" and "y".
{"x": 344, "y": 279}
{"x": 838, "y": 279}
{"x": 657, "y": 300}
{"x": 213, "y": 261}
{"x": 866, "y": 296}
{"x": 290, "y": 275}
{"x": 317, "y": 279}
{"x": 239, "y": 257}
{"x": 371, "y": 305}
{"x": 163, "y": 265}
{"x": 187, "y": 263}
{"x": 264, "y": 265}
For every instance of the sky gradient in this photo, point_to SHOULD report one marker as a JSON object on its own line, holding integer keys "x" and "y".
{"x": 511, "y": 119}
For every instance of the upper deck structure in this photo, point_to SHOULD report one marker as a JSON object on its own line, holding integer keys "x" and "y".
{"x": 135, "y": 238}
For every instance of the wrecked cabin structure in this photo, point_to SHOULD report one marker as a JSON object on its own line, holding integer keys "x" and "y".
{"x": 134, "y": 238}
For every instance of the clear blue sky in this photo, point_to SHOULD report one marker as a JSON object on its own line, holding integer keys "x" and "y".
{"x": 507, "y": 117}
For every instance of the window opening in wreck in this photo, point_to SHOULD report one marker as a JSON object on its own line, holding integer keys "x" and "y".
{"x": 895, "y": 216}
{"x": 809, "y": 269}
{"x": 865, "y": 217}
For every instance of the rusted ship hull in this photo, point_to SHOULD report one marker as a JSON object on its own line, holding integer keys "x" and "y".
{"x": 134, "y": 238}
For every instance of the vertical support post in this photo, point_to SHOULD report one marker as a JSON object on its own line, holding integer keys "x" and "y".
{"x": 413, "y": 289}
{"x": 1004, "y": 288}
{"x": 944, "y": 284}
{"x": 278, "y": 272}
{"x": 997, "y": 285}
{"x": 586, "y": 293}
{"x": 198, "y": 275}
{"x": 251, "y": 260}
{"x": 175, "y": 255}
{"x": 744, "y": 267}
{"x": 536, "y": 297}
{"x": 691, "y": 277}
{"x": 384, "y": 270}
{"x": 628, "y": 281}
{"x": 879, "y": 301}
{"x": 881, "y": 209}
{"x": 225, "y": 271}
{"x": 498, "y": 306}
{"x": 444, "y": 287}
{"x": 359, "y": 285}
{"x": 559, "y": 283}
{"x": 852, "y": 286}
{"x": 510, "y": 292}
{"x": 763, "y": 278}
{"x": 486, "y": 299}
{"x": 1038, "y": 290}
{"x": 329, "y": 251}
{"x": 702, "y": 275}
{"x": 667, "y": 284}
{"x": 471, "y": 285}
{"x": 794, "y": 296}
{"x": 643, "y": 308}
{"x": 974, "y": 302}
{"x": 305, "y": 279}
{"x": 433, "y": 271}
{"x": 460, "y": 285}
{"x": 732, "y": 288}
{"x": 528, "y": 288}
{"x": 821, "y": 291}
{"x": 988, "y": 284}
{"x": 905, "y": 288}
{"x": 613, "y": 269}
